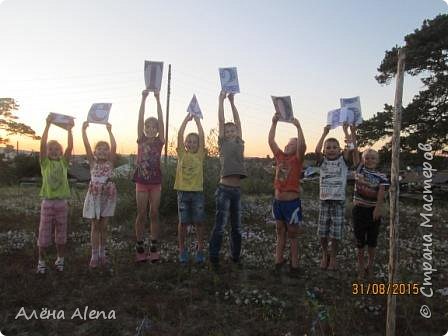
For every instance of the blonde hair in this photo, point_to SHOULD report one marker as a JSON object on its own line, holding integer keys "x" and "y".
{"x": 54, "y": 142}
{"x": 369, "y": 150}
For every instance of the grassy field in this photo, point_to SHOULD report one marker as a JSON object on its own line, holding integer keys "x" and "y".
{"x": 170, "y": 299}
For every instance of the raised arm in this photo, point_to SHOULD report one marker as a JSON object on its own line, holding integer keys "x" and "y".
{"x": 113, "y": 143}
{"x": 69, "y": 149}
{"x": 44, "y": 139}
{"x": 221, "y": 119}
{"x": 319, "y": 145}
{"x": 301, "y": 145}
{"x": 236, "y": 116}
{"x": 348, "y": 142}
{"x": 85, "y": 139}
{"x": 200, "y": 133}
{"x": 180, "y": 134}
{"x": 271, "y": 139}
{"x": 141, "y": 115}
{"x": 160, "y": 118}
{"x": 355, "y": 151}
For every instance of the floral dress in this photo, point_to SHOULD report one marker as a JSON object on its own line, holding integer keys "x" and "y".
{"x": 101, "y": 197}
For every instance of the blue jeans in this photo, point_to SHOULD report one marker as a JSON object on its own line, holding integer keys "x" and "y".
{"x": 228, "y": 204}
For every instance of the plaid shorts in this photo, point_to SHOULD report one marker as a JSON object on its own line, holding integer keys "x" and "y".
{"x": 331, "y": 219}
{"x": 53, "y": 215}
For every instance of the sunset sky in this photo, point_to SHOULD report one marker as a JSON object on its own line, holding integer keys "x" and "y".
{"x": 62, "y": 56}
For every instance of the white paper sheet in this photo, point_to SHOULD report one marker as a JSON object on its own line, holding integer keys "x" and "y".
{"x": 193, "y": 108}
{"x": 339, "y": 116}
{"x": 153, "y": 75}
{"x": 354, "y": 104}
{"x": 283, "y": 106}
{"x": 229, "y": 80}
{"x": 99, "y": 113}
{"x": 61, "y": 120}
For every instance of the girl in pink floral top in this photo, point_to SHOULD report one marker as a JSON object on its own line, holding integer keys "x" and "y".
{"x": 101, "y": 196}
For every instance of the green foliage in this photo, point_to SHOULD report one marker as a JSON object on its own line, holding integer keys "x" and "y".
{"x": 8, "y": 121}
{"x": 425, "y": 119}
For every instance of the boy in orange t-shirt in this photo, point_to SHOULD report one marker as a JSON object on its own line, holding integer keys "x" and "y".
{"x": 286, "y": 206}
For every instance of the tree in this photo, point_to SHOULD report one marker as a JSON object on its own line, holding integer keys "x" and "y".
{"x": 425, "y": 119}
{"x": 8, "y": 121}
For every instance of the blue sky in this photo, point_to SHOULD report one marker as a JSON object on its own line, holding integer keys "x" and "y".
{"x": 62, "y": 56}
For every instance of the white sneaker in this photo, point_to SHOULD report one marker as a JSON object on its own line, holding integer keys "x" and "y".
{"x": 41, "y": 268}
{"x": 59, "y": 263}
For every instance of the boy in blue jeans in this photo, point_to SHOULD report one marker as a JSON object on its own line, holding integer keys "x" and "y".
{"x": 228, "y": 194}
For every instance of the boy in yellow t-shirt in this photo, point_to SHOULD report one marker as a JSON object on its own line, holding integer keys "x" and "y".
{"x": 189, "y": 186}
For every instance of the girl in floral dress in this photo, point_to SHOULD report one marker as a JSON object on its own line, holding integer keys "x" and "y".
{"x": 101, "y": 196}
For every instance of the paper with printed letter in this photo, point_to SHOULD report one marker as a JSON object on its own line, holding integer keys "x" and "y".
{"x": 62, "y": 120}
{"x": 193, "y": 108}
{"x": 283, "y": 107}
{"x": 153, "y": 75}
{"x": 353, "y": 104}
{"x": 99, "y": 113}
{"x": 229, "y": 80}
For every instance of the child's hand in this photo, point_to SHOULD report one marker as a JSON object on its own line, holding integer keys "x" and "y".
{"x": 109, "y": 127}
{"x": 231, "y": 97}
{"x": 85, "y": 125}
{"x": 275, "y": 118}
{"x": 197, "y": 119}
{"x": 189, "y": 117}
{"x": 145, "y": 93}
{"x": 49, "y": 119}
{"x": 222, "y": 95}
{"x": 157, "y": 94}
{"x": 345, "y": 127}
{"x": 71, "y": 124}
{"x": 327, "y": 129}
{"x": 376, "y": 213}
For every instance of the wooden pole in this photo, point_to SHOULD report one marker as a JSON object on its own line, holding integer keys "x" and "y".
{"x": 167, "y": 113}
{"x": 394, "y": 195}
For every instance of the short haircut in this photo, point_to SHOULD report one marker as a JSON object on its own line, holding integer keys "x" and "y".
{"x": 332, "y": 140}
{"x": 151, "y": 120}
{"x": 230, "y": 123}
{"x": 192, "y": 135}
{"x": 370, "y": 150}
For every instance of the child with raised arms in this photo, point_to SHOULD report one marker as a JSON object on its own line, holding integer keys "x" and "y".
{"x": 286, "y": 207}
{"x": 101, "y": 197}
{"x": 55, "y": 192}
{"x": 148, "y": 177}
{"x": 228, "y": 194}
{"x": 333, "y": 181}
{"x": 189, "y": 186}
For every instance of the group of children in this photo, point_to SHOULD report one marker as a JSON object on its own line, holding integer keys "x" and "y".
{"x": 101, "y": 196}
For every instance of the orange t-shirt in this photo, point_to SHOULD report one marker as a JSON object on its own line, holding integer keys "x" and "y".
{"x": 287, "y": 172}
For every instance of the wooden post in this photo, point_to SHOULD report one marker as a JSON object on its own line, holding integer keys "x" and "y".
{"x": 394, "y": 196}
{"x": 167, "y": 113}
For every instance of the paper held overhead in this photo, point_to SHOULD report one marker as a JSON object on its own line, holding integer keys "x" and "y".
{"x": 99, "y": 113}
{"x": 353, "y": 104}
{"x": 193, "y": 108}
{"x": 153, "y": 75}
{"x": 283, "y": 107}
{"x": 229, "y": 80}
{"x": 338, "y": 117}
{"x": 62, "y": 120}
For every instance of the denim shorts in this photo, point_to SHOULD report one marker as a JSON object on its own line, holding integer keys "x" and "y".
{"x": 190, "y": 206}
